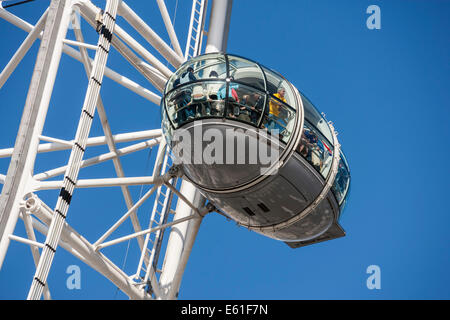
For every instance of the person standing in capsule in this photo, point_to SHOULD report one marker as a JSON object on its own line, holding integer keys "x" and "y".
{"x": 274, "y": 118}
{"x": 187, "y": 112}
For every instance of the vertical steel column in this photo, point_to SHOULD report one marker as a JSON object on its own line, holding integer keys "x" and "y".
{"x": 183, "y": 235}
{"x": 219, "y": 26}
{"x": 25, "y": 149}
{"x": 76, "y": 156}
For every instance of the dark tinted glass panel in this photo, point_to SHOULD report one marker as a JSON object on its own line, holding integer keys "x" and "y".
{"x": 316, "y": 119}
{"x": 342, "y": 181}
{"x": 316, "y": 149}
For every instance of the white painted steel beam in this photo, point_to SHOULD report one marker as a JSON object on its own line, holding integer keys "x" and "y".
{"x": 81, "y": 248}
{"x": 144, "y": 232}
{"x": 169, "y": 27}
{"x": 76, "y": 155}
{"x": 80, "y": 44}
{"x": 98, "y": 159}
{"x": 98, "y": 183}
{"x": 33, "y": 118}
{"x": 27, "y": 220}
{"x": 109, "y": 139}
{"x": 89, "y": 12}
{"x": 120, "y": 79}
{"x": 148, "y": 34}
{"x": 94, "y": 141}
{"x": 182, "y": 237}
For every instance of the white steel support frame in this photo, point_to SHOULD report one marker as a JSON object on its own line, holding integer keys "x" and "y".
{"x": 120, "y": 79}
{"x": 76, "y": 156}
{"x": 196, "y": 29}
{"x": 182, "y": 237}
{"x": 18, "y": 199}
{"x": 36, "y": 105}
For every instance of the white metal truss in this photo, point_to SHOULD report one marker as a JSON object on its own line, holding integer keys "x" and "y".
{"x": 196, "y": 29}
{"x": 154, "y": 278}
{"x": 148, "y": 262}
{"x": 106, "y": 29}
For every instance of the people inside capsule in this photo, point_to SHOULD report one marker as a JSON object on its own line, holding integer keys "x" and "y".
{"x": 208, "y": 99}
{"x": 200, "y": 101}
{"x": 248, "y": 110}
{"x": 183, "y": 98}
{"x": 254, "y": 104}
{"x": 276, "y": 117}
{"x": 215, "y": 104}
{"x": 233, "y": 98}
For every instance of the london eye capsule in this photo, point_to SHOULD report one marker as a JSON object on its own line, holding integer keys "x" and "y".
{"x": 256, "y": 148}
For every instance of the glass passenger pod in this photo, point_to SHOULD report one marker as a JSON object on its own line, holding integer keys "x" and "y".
{"x": 230, "y": 92}
{"x": 227, "y": 91}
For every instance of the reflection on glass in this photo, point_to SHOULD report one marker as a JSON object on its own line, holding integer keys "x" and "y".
{"x": 276, "y": 83}
{"x": 208, "y": 68}
{"x": 196, "y": 100}
{"x": 251, "y": 93}
{"x": 244, "y": 103}
{"x": 247, "y": 72}
{"x": 166, "y": 126}
{"x": 280, "y": 117}
{"x": 316, "y": 119}
{"x": 316, "y": 149}
{"x": 342, "y": 181}
{"x": 213, "y": 66}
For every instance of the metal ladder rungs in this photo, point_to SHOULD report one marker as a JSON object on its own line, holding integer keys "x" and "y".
{"x": 157, "y": 223}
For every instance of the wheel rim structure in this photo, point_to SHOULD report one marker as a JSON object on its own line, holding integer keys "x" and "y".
{"x": 172, "y": 204}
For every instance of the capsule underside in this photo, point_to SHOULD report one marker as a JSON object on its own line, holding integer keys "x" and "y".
{"x": 267, "y": 194}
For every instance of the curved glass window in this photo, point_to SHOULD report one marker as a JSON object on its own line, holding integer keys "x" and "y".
{"x": 219, "y": 85}
{"x": 280, "y": 88}
{"x": 195, "y": 100}
{"x": 211, "y": 67}
{"x": 316, "y": 149}
{"x": 166, "y": 126}
{"x": 341, "y": 183}
{"x": 248, "y": 72}
{"x": 244, "y": 103}
{"x": 315, "y": 118}
{"x": 279, "y": 116}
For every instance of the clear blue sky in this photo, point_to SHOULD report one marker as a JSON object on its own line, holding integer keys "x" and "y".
{"x": 387, "y": 92}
